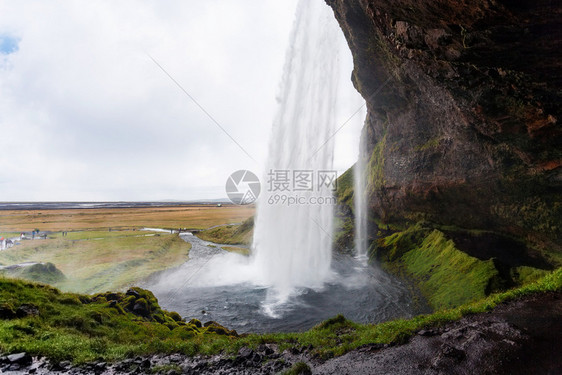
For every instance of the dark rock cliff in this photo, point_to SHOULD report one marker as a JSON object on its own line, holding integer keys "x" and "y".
{"x": 463, "y": 124}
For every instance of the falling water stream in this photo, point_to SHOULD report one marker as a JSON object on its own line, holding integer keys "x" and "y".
{"x": 292, "y": 280}
{"x": 293, "y": 242}
{"x": 360, "y": 204}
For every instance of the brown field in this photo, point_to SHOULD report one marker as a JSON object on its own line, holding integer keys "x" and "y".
{"x": 94, "y": 259}
{"x": 189, "y": 216}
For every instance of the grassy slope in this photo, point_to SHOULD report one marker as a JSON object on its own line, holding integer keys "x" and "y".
{"x": 344, "y": 191}
{"x": 230, "y": 234}
{"x": 83, "y": 328}
{"x": 445, "y": 275}
{"x": 452, "y": 276}
{"x": 97, "y": 265}
{"x": 46, "y": 273}
{"x": 236, "y": 249}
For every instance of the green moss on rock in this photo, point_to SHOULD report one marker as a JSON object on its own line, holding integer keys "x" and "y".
{"x": 344, "y": 191}
{"x": 375, "y": 166}
{"x": 446, "y": 276}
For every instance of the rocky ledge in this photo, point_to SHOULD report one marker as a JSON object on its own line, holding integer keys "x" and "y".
{"x": 517, "y": 337}
{"x": 463, "y": 124}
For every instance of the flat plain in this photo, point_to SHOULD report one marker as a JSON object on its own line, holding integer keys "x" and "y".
{"x": 105, "y": 249}
{"x": 188, "y": 216}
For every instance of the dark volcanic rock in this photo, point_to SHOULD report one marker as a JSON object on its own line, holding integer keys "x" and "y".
{"x": 141, "y": 307}
{"x": 27, "y": 309}
{"x": 464, "y": 112}
{"x": 516, "y": 338}
{"x": 7, "y": 311}
{"x": 20, "y": 358}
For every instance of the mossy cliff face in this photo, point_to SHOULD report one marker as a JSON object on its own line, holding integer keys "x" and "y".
{"x": 451, "y": 268}
{"x": 463, "y": 124}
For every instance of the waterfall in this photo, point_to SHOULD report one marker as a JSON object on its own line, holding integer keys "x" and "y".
{"x": 290, "y": 273}
{"x": 360, "y": 203}
{"x": 293, "y": 242}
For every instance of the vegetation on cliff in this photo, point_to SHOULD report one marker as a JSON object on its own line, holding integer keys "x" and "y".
{"x": 440, "y": 263}
{"x": 344, "y": 213}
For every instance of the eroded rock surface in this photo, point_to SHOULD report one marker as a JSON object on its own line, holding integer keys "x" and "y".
{"x": 463, "y": 98}
{"x": 516, "y": 338}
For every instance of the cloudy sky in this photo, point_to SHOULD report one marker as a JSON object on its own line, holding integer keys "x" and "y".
{"x": 86, "y": 115}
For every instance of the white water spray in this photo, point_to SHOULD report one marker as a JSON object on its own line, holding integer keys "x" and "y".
{"x": 293, "y": 243}
{"x": 360, "y": 204}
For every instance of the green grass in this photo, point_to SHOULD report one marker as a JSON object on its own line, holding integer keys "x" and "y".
{"x": 375, "y": 179}
{"x": 299, "y": 368}
{"x": 46, "y": 273}
{"x": 524, "y": 275}
{"x": 97, "y": 234}
{"x": 83, "y": 328}
{"x": 237, "y": 250}
{"x": 445, "y": 275}
{"x": 230, "y": 234}
{"x": 111, "y": 263}
{"x": 345, "y": 186}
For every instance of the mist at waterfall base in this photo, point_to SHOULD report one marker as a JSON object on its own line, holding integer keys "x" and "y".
{"x": 221, "y": 286}
{"x": 292, "y": 280}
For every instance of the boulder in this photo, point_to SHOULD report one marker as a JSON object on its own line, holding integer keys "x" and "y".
{"x": 22, "y": 359}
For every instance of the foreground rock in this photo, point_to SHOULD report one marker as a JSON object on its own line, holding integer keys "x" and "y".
{"x": 519, "y": 337}
{"x": 265, "y": 360}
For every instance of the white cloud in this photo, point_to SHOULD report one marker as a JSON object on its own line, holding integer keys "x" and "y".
{"x": 86, "y": 115}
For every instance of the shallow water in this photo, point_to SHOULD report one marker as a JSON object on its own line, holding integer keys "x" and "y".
{"x": 215, "y": 285}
